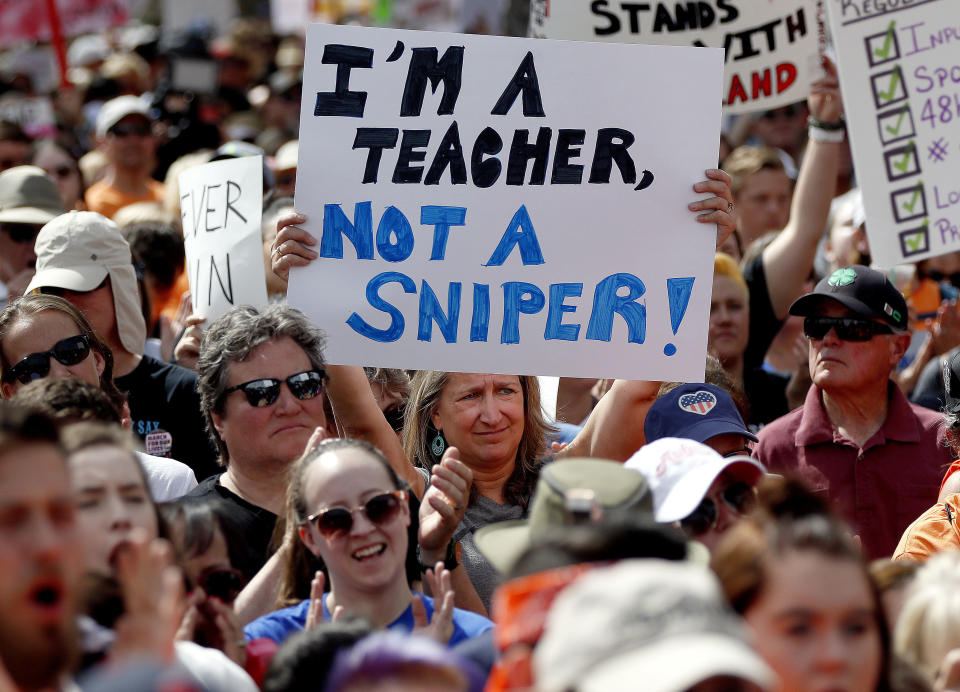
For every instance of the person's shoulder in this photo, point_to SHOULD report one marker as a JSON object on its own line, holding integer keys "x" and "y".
{"x": 279, "y": 624}
{"x": 780, "y": 427}
{"x": 212, "y": 668}
{"x": 467, "y": 624}
{"x": 169, "y": 478}
{"x": 168, "y": 371}
{"x": 927, "y": 417}
{"x": 205, "y": 488}
{"x": 933, "y": 531}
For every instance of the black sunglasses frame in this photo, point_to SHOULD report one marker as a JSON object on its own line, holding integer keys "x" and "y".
{"x": 265, "y": 391}
{"x": 39, "y": 363}
{"x": 392, "y": 502}
{"x": 846, "y": 328}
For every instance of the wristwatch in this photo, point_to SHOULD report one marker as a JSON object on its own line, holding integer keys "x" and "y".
{"x": 451, "y": 560}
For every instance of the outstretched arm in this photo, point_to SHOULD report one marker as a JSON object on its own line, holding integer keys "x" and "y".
{"x": 615, "y": 428}
{"x": 789, "y": 257}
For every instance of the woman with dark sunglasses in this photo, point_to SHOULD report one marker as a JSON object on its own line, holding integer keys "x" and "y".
{"x": 44, "y": 335}
{"x": 348, "y": 508}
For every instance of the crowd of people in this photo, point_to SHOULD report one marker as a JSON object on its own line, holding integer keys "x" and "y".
{"x": 213, "y": 506}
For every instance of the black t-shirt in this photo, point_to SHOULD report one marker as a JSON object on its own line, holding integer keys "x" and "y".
{"x": 165, "y": 408}
{"x": 928, "y": 391}
{"x": 764, "y": 324}
{"x": 767, "y": 393}
{"x": 254, "y": 525}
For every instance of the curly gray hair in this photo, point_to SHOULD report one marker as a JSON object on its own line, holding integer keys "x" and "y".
{"x": 232, "y": 338}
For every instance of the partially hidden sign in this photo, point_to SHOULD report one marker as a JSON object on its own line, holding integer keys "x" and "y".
{"x": 900, "y": 74}
{"x": 220, "y": 208}
{"x": 493, "y": 204}
{"x": 770, "y": 46}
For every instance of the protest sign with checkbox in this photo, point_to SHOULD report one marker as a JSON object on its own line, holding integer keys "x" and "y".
{"x": 909, "y": 203}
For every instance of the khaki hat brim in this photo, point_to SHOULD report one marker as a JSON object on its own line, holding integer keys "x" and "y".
{"x": 72, "y": 279}
{"x": 28, "y": 215}
{"x": 503, "y": 543}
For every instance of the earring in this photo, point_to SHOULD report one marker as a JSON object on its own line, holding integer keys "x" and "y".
{"x": 438, "y": 445}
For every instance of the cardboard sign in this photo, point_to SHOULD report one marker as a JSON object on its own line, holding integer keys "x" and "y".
{"x": 900, "y": 75}
{"x": 771, "y": 46}
{"x": 505, "y": 205}
{"x": 220, "y": 207}
{"x": 26, "y": 20}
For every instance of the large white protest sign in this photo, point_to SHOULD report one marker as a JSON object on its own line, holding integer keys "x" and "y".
{"x": 220, "y": 206}
{"x": 900, "y": 74}
{"x": 771, "y": 46}
{"x": 493, "y": 204}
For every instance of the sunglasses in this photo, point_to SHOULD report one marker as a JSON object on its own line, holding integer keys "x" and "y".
{"x": 739, "y": 497}
{"x": 125, "y": 129}
{"x": 221, "y": 582}
{"x": 21, "y": 233}
{"x": 379, "y": 509}
{"x": 847, "y": 328}
{"x": 263, "y": 392}
{"x": 36, "y": 366}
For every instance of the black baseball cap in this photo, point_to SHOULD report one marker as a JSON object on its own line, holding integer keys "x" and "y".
{"x": 865, "y": 291}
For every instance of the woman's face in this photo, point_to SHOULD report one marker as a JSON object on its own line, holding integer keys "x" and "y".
{"x": 482, "y": 416}
{"x": 370, "y": 556}
{"x": 39, "y": 333}
{"x": 59, "y": 166}
{"x": 729, "y": 319}
{"x": 112, "y": 501}
{"x": 816, "y": 624}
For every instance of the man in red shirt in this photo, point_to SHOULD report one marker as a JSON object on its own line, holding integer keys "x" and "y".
{"x": 857, "y": 438}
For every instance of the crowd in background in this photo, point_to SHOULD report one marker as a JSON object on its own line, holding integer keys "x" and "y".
{"x": 214, "y": 506}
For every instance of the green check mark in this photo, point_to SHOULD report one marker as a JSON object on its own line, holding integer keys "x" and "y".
{"x": 915, "y": 242}
{"x": 909, "y": 206}
{"x": 884, "y": 53}
{"x": 904, "y": 163}
{"x": 894, "y": 82}
{"x": 895, "y": 130}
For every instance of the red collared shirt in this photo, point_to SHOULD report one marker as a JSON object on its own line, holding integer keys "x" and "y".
{"x": 879, "y": 488}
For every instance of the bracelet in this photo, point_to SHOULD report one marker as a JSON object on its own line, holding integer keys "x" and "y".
{"x": 450, "y": 559}
{"x": 818, "y": 134}
{"x": 840, "y": 124}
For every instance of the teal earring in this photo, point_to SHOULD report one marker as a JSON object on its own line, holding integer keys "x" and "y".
{"x": 438, "y": 445}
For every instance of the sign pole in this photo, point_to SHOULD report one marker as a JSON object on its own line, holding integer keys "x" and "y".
{"x": 56, "y": 36}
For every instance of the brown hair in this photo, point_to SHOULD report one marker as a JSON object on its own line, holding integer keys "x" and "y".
{"x": 36, "y": 303}
{"x": 418, "y": 431}
{"x": 300, "y": 564}
{"x": 746, "y": 160}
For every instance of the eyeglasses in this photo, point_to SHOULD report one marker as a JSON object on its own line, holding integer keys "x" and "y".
{"x": 263, "y": 392}
{"x": 221, "y": 582}
{"x": 36, "y": 366}
{"x": 394, "y": 416}
{"x": 847, "y": 328}
{"x": 21, "y": 233}
{"x": 739, "y": 497}
{"x": 125, "y": 129}
{"x": 59, "y": 291}
{"x": 337, "y": 521}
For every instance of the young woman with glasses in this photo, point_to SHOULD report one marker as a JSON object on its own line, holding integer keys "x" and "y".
{"x": 347, "y": 506}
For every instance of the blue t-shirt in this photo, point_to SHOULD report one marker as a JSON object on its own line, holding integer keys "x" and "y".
{"x": 280, "y": 624}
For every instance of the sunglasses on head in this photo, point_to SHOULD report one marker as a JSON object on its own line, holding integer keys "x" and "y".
{"x": 125, "y": 129}
{"x": 847, "y": 328}
{"x": 36, "y": 366}
{"x": 22, "y": 233}
{"x": 379, "y": 509}
{"x": 739, "y": 497}
{"x": 263, "y": 392}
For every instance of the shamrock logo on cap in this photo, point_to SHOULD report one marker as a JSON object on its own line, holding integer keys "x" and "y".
{"x": 842, "y": 277}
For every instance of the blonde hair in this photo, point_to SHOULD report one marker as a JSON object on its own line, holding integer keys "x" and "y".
{"x": 929, "y": 623}
{"x": 746, "y": 160}
{"x": 725, "y": 265}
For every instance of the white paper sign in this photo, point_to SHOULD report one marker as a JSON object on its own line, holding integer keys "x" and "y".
{"x": 220, "y": 207}
{"x": 900, "y": 75}
{"x": 504, "y": 205}
{"x": 771, "y": 46}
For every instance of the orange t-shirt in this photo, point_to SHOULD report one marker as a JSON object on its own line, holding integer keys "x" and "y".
{"x": 933, "y": 531}
{"x": 107, "y": 200}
